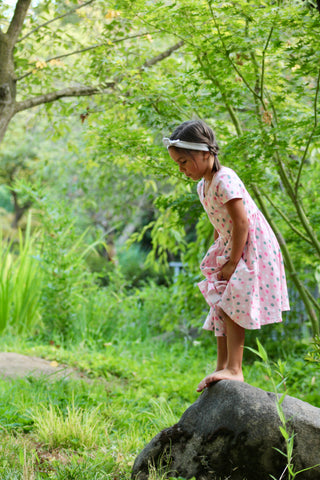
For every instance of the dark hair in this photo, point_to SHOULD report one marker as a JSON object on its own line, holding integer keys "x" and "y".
{"x": 198, "y": 131}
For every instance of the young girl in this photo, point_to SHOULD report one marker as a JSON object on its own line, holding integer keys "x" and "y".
{"x": 245, "y": 283}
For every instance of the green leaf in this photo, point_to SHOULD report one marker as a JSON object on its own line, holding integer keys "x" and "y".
{"x": 284, "y": 433}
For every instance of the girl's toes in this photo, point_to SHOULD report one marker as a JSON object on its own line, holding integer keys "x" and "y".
{"x": 205, "y": 383}
{"x": 202, "y": 385}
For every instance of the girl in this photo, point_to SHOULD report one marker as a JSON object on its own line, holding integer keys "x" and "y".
{"x": 245, "y": 283}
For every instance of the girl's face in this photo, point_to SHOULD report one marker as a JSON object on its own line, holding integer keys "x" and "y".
{"x": 194, "y": 165}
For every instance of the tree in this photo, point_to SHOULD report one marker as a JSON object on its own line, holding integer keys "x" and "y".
{"x": 28, "y": 80}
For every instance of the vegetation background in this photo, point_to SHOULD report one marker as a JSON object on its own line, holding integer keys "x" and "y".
{"x": 94, "y": 215}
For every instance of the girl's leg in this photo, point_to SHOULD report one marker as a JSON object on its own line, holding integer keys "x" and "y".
{"x": 232, "y": 369}
{"x": 222, "y": 353}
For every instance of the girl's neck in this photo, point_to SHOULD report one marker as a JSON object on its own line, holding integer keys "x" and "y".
{"x": 208, "y": 177}
{"x": 210, "y": 171}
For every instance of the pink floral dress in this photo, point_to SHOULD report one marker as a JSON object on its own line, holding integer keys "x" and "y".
{"x": 256, "y": 294}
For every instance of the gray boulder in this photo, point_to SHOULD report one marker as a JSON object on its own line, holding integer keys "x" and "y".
{"x": 232, "y": 432}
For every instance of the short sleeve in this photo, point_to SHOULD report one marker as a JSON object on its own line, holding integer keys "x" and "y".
{"x": 199, "y": 188}
{"x": 229, "y": 186}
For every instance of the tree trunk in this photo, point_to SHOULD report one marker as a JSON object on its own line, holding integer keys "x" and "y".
{"x": 7, "y": 84}
{"x": 19, "y": 210}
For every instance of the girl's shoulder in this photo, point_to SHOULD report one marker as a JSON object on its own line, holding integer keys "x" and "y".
{"x": 227, "y": 185}
{"x": 225, "y": 174}
{"x": 223, "y": 177}
{"x": 225, "y": 171}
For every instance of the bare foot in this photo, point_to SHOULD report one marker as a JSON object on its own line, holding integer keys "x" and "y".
{"x": 225, "y": 374}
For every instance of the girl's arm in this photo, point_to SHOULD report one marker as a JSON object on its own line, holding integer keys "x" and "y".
{"x": 240, "y": 230}
{"x": 215, "y": 235}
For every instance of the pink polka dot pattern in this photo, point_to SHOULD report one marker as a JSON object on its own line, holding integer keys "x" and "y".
{"x": 256, "y": 294}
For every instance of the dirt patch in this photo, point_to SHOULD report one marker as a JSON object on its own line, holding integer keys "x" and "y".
{"x": 16, "y": 365}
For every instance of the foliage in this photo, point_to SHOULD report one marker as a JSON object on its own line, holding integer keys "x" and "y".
{"x": 65, "y": 50}
{"x": 20, "y": 283}
{"x": 135, "y": 270}
{"x": 66, "y": 279}
{"x": 252, "y": 66}
{"x": 314, "y": 354}
{"x": 243, "y": 68}
{"x": 136, "y": 314}
{"x": 5, "y": 201}
{"x": 18, "y": 161}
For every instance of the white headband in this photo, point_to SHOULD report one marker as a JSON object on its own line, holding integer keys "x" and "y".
{"x": 203, "y": 147}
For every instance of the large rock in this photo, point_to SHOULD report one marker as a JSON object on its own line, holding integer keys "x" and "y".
{"x": 232, "y": 431}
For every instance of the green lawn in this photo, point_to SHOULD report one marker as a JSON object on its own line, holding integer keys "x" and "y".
{"x": 94, "y": 427}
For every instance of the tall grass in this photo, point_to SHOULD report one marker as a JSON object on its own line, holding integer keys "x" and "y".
{"x": 77, "y": 428}
{"x": 20, "y": 283}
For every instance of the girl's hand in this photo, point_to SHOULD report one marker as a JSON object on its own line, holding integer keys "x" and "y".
{"x": 240, "y": 230}
{"x": 227, "y": 271}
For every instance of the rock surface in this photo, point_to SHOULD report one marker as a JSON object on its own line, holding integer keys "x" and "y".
{"x": 16, "y": 365}
{"x": 231, "y": 432}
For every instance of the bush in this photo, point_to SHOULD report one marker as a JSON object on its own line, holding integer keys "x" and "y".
{"x": 66, "y": 279}
{"x": 116, "y": 312}
{"x": 119, "y": 312}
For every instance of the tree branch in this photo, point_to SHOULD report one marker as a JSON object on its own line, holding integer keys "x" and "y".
{"x": 315, "y": 124}
{"x": 289, "y": 264}
{"x": 264, "y": 61}
{"x": 227, "y": 104}
{"x": 256, "y": 69}
{"x": 313, "y": 300}
{"x": 282, "y": 170}
{"x": 54, "y": 19}
{"x": 292, "y": 192}
{"x": 245, "y": 81}
{"x": 163, "y": 55}
{"x": 77, "y": 91}
{"x": 286, "y": 219}
{"x": 17, "y": 21}
{"x": 84, "y": 90}
{"x": 82, "y": 50}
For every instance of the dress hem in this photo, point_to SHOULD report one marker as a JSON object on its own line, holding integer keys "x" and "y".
{"x": 245, "y": 328}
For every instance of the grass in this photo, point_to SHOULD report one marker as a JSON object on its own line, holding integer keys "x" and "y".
{"x": 20, "y": 283}
{"x": 93, "y": 427}
{"x": 75, "y": 428}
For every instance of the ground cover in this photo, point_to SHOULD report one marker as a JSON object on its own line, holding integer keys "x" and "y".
{"x": 93, "y": 425}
